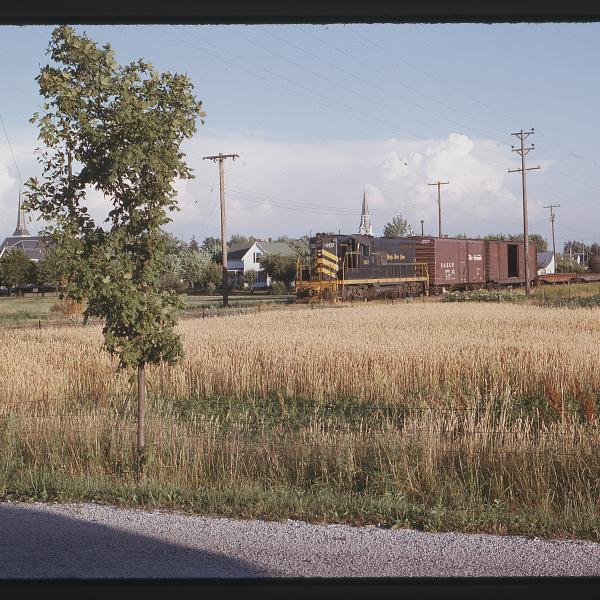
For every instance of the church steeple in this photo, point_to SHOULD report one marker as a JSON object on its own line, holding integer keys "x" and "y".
{"x": 365, "y": 227}
{"x": 21, "y": 229}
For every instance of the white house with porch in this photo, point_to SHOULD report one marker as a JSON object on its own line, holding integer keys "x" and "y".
{"x": 242, "y": 258}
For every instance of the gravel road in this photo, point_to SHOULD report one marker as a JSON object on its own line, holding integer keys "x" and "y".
{"x": 96, "y": 541}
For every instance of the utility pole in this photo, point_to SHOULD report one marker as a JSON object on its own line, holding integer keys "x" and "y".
{"x": 221, "y": 158}
{"x": 523, "y": 135}
{"x": 421, "y": 227}
{"x": 439, "y": 183}
{"x": 552, "y": 218}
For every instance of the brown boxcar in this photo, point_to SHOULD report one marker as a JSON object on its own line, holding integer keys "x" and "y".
{"x": 452, "y": 262}
{"x": 505, "y": 264}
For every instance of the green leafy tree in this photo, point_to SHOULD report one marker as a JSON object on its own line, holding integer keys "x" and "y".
{"x": 249, "y": 278}
{"x": 193, "y": 245}
{"x": 240, "y": 239}
{"x": 278, "y": 288}
{"x": 192, "y": 265}
{"x": 572, "y": 247}
{"x": 300, "y": 245}
{"x": 213, "y": 246}
{"x": 117, "y": 129}
{"x": 172, "y": 244}
{"x": 279, "y": 267}
{"x": 565, "y": 264}
{"x": 171, "y": 277}
{"x": 397, "y": 228}
{"x": 540, "y": 242}
{"x": 51, "y": 268}
{"x": 16, "y": 270}
{"x": 212, "y": 276}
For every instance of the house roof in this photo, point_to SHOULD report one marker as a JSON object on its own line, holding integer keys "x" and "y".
{"x": 544, "y": 259}
{"x": 277, "y": 248}
{"x": 238, "y": 251}
{"x": 32, "y": 245}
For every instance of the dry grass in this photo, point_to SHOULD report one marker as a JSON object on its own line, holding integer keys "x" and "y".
{"x": 476, "y": 417}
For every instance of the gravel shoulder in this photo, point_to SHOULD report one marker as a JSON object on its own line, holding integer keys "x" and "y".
{"x": 39, "y": 540}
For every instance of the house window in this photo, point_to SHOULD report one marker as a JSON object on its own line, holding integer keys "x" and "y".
{"x": 256, "y": 256}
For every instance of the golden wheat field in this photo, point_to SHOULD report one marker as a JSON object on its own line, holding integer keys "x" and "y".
{"x": 477, "y": 417}
{"x": 432, "y": 352}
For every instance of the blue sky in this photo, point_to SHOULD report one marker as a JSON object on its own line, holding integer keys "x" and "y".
{"x": 320, "y": 112}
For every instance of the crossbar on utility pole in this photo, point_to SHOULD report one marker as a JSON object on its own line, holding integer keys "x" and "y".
{"x": 221, "y": 158}
{"x": 439, "y": 183}
{"x": 552, "y": 218}
{"x": 523, "y": 135}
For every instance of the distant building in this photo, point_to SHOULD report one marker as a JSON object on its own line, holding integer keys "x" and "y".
{"x": 545, "y": 263}
{"x": 22, "y": 240}
{"x": 365, "y": 227}
{"x": 244, "y": 257}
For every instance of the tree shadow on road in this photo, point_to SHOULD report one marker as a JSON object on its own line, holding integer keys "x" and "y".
{"x": 39, "y": 544}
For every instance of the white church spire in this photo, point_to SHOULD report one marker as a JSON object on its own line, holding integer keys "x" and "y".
{"x": 21, "y": 229}
{"x": 365, "y": 227}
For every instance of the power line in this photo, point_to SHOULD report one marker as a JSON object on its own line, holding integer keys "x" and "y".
{"x": 34, "y": 221}
{"x": 320, "y": 75}
{"x": 11, "y": 150}
{"x": 468, "y": 96}
{"x": 262, "y": 199}
{"x": 389, "y": 127}
{"x": 371, "y": 84}
{"x": 305, "y": 205}
{"x": 387, "y": 75}
{"x": 208, "y": 205}
{"x": 335, "y": 108}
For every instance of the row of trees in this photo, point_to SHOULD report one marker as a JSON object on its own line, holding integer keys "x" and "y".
{"x": 18, "y": 271}
{"x": 573, "y": 247}
{"x": 185, "y": 266}
{"x": 540, "y": 242}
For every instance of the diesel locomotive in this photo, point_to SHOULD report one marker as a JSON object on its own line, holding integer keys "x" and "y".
{"x": 360, "y": 267}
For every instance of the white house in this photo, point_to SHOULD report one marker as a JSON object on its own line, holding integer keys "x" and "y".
{"x": 244, "y": 257}
{"x": 545, "y": 263}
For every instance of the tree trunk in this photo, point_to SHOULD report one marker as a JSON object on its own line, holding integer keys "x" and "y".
{"x": 141, "y": 394}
